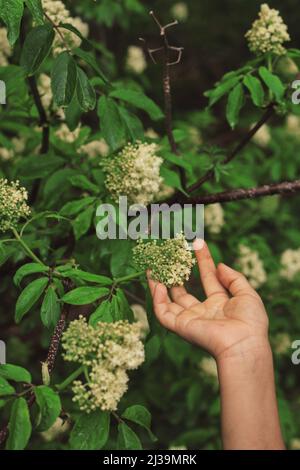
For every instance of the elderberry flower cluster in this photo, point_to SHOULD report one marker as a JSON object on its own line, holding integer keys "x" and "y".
{"x": 290, "y": 264}
{"x": 107, "y": 351}
{"x": 13, "y": 204}
{"x": 268, "y": 32}
{"x": 95, "y": 148}
{"x": 135, "y": 60}
{"x": 134, "y": 172}
{"x": 214, "y": 218}
{"x": 170, "y": 262}
{"x": 57, "y": 12}
{"x": 252, "y": 266}
{"x": 5, "y": 49}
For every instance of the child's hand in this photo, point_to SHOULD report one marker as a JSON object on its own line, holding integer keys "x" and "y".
{"x": 231, "y": 321}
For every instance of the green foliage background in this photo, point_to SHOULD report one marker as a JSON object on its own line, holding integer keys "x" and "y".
{"x": 183, "y": 401}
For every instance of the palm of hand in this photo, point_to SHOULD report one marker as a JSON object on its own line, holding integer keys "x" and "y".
{"x": 220, "y": 323}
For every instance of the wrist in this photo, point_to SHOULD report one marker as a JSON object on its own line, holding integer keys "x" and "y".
{"x": 248, "y": 351}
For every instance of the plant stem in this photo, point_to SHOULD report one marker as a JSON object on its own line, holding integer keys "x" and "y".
{"x": 26, "y": 248}
{"x": 129, "y": 277}
{"x": 70, "y": 379}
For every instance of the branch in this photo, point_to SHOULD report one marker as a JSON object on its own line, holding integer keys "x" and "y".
{"x": 42, "y": 114}
{"x": 55, "y": 341}
{"x": 284, "y": 188}
{"x": 210, "y": 174}
{"x": 167, "y": 63}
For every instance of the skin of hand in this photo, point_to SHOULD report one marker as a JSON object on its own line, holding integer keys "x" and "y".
{"x": 222, "y": 324}
{"x": 232, "y": 325}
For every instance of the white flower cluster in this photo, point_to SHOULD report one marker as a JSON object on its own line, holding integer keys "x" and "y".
{"x": 58, "y": 13}
{"x": 66, "y": 135}
{"x": 5, "y": 49}
{"x": 57, "y": 429}
{"x": 263, "y": 136}
{"x": 140, "y": 315}
{"x": 135, "y": 60}
{"x": 107, "y": 351}
{"x": 293, "y": 125}
{"x": 170, "y": 262}
{"x": 180, "y": 11}
{"x": 268, "y": 32}
{"x": 134, "y": 172}
{"x": 18, "y": 146}
{"x": 295, "y": 443}
{"x": 290, "y": 264}
{"x": 252, "y": 266}
{"x": 95, "y": 148}
{"x": 282, "y": 343}
{"x": 214, "y": 218}
{"x": 45, "y": 91}
{"x": 13, "y": 204}
{"x": 208, "y": 366}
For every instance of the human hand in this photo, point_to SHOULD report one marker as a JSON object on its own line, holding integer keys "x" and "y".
{"x": 231, "y": 321}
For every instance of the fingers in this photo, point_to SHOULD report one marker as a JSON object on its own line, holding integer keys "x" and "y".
{"x": 208, "y": 271}
{"x": 234, "y": 281}
{"x": 183, "y": 298}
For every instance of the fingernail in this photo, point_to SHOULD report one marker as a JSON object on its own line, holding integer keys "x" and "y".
{"x": 198, "y": 244}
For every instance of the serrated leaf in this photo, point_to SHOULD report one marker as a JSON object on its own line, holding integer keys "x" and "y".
{"x": 15, "y": 373}
{"x": 140, "y": 415}
{"x": 111, "y": 123}
{"x": 29, "y": 296}
{"x": 74, "y": 207}
{"x": 89, "y": 277}
{"x": 5, "y": 387}
{"x": 85, "y": 91}
{"x": 91, "y": 431}
{"x": 138, "y": 100}
{"x": 36, "y": 9}
{"x": 49, "y": 405}
{"x": 220, "y": 90}
{"x": 19, "y": 426}
{"x": 127, "y": 438}
{"x": 84, "y": 295}
{"x": 90, "y": 60}
{"x": 256, "y": 89}
{"x": 82, "y": 182}
{"x": 102, "y": 313}
{"x": 273, "y": 82}
{"x": 50, "y": 310}
{"x": 83, "y": 222}
{"x": 234, "y": 105}
{"x": 11, "y": 12}
{"x": 27, "y": 269}
{"x": 37, "y": 47}
{"x": 63, "y": 79}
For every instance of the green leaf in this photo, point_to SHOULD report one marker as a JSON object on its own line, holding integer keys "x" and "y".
{"x": 35, "y": 6}
{"x": 171, "y": 178}
{"x": 15, "y": 373}
{"x": 133, "y": 124}
{"x": 19, "y": 426}
{"x": 36, "y": 48}
{"x": 84, "y": 295}
{"x": 103, "y": 313}
{"x": 127, "y": 438}
{"x": 138, "y": 100}
{"x": 74, "y": 207}
{"x": 90, "y": 60}
{"x": 50, "y": 310}
{"x": 91, "y": 431}
{"x": 31, "y": 168}
{"x": 125, "y": 311}
{"x": 27, "y": 269}
{"x": 5, "y": 387}
{"x": 140, "y": 415}
{"x": 83, "y": 222}
{"x": 82, "y": 182}
{"x": 234, "y": 105}
{"x": 256, "y": 89}
{"x": 273, "y": 82}
{"x": 11, "y": 12}
{"x": 111, "y": 123}
{"x": 85, "y": 91}
{"x": 29, "y": 296}
{"x": 49, "y": 405}
{"x": 64, "y": 79}
{"x": 89, "y": 277}
{"x": 220, "y": 90}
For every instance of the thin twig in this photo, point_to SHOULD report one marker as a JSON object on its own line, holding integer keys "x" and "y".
{"x": 210, "y": 173}
{"x": 284, "y": 188}
{"x": 44, "y": 123}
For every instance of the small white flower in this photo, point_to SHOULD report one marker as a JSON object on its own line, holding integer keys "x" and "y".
{"x": 290, "y": 264}
{"x": 263, "y": 136}
{"x": 252, "y": 266}
{"x": 180, "y": 11}
{"x": 95, "y": 148}
{"x": 214, "y": 218}
{"x": 5, "y": 49}
{"x": 135, "y": 60}
{"x": 13, "y": 204}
